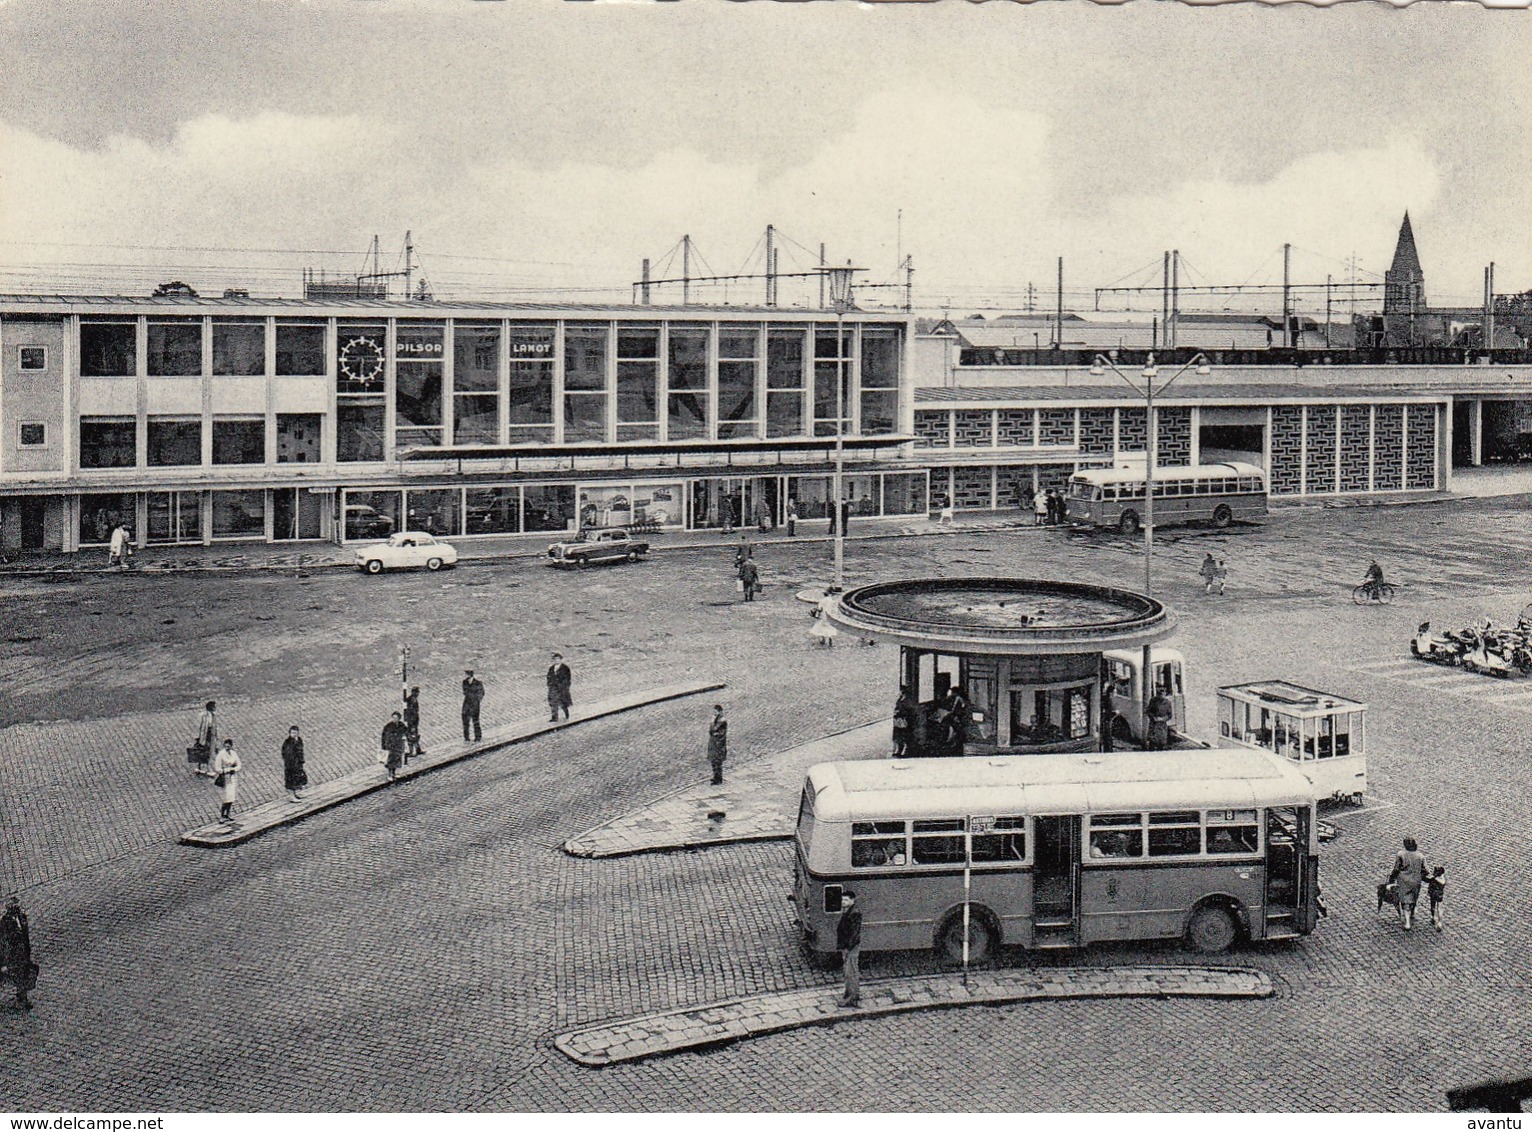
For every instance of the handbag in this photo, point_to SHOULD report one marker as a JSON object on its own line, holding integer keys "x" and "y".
{"x": 221, "y": 780}
{"x": 196, "y": 753}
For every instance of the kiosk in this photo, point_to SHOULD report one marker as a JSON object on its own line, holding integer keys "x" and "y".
{"x": 1325, "y": 735}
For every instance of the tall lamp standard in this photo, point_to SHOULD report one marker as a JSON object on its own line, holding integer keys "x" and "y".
{"x": 1148, "y": 390}
{"x": 839, "y": 279}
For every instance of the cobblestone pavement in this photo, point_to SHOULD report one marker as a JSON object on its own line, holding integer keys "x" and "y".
{"x": 651, "y": 1035}
{"x": 420, "y": 949}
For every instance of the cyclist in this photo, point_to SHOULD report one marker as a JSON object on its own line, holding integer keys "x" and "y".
{"x": 1373, "y": 583}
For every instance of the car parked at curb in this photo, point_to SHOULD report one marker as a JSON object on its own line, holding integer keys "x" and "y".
{"x": 614, "y": 544}
{"x": 405, "y": 551}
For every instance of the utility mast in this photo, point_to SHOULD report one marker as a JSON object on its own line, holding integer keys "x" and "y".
{"x": 771, "y": 265}
{"x": 686, "y": 270}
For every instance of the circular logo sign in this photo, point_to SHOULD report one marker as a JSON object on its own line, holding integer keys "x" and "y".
{"x": 361, "y": 360}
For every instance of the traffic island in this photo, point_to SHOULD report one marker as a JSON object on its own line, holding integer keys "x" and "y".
{"x": 718, "y": 1023}
{"x": 270, "y": 815}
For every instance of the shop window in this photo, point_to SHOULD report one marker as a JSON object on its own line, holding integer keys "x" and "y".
{"x": 531, "y": 390}
{"x": 300, "y": 349}
{"x": 904, "y": 493}
{"x": 174, "y": 442}
{"x": 239, "y": 349}
{"x": 297, "y": 513}
{"x": 1056, "y": 714}
{"x": 239, "y": 441}
{"x": 34, "y": 434}
{"x": 239, "y": 514}
{"x": 33, "y": 358}
{"x": 175, "y": 348}
{"x": 107, "y": 442}
{"x": 657, "y": 503}
{"x": 606, "y": 506}
{"x": 811, "y": 494}
{"x": 372, "y": 514}
{"x": 101, "y": 513}
{"x": 861, "y": 492}
{"x": 686, "y": 401}
{"x": 1116, "y": 836}
{"x": 437, "y": 512}
{"x": 492, "y": 510}
{"x": 878, "y": 844}
{"x": 358, "y": 431}
{"x": 548, "y": 507}
{"x": 298, "y": 438}
{"x": 418, "y": 353}
{"x": 174, "y": 516}
{"x": 108, "y": 349}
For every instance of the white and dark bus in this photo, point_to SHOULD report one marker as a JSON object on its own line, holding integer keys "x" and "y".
{"x": 1060, "y": 851}
{"x": 1219, "y": 494}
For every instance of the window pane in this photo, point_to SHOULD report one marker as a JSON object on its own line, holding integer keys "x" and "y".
{"x": 738, "y": 341}
{"x": 99, "y": 514}
{"x": 298, "y": 438}
{"x": 300, "y": 349}
{"x": 434, "y": 511}
{"x": 784, "y": 359}
{"x": 475, "y": 358}
{"x": 359, "y": 430}
{"x": 638, "y": 391}
{"x": 108, "y": 349}
{"x": 736, "y": 391}
{"x": 418, "y": 349}
{"x": 880, "y": 358}
{"x": 297, "y": 514}
{"x": 531, "y": 392}
{"x": 878, "y": 411}
{"x": 824, "y": 343}
{"x": 239, "y": 349}
{"x": 476, "y": 419}
{"x": 1114, "y": 843}
{"x": 372, "y": 514}
{"x": 493, "y": 510}
{"x": 584, "y": 357}
{"x": 784, "y": 413}
{"x": 688, "y": 357}
{"x": 688, "y": 416}
{"x": 108, "y": 443}
{"x": 548, "y": 507}
{"x": 1232, "y": 838}
{"x": 584, "y": 417}
{"x": 1000, "y": 847}
{"x": 239, "y": 442}
{"x": 937, "y": 850}
{"x": 1175, "y": 842}
{"x": 175, "y": 443}
{"x": 877, "y": 852}
{"x": 638, "y": 342}
{"x": 239, "y": 514}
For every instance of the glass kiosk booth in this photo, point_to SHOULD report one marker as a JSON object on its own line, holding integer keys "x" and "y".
{"x": 1325, "y": 735}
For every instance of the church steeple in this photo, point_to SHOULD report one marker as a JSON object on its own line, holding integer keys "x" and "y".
{"x": 1404, "y": 283}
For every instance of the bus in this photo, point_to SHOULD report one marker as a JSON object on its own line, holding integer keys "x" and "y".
{"x": 1058, "y": 851}
{"x": 1215, "y": 493}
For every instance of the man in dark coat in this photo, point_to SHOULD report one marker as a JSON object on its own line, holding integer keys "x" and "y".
{"x": 848, "y": 939}
{"x": 16, "y": 952}
{"x": 959, "y": 721}
{"x": 412, "y": 723}
{"x": 717, "y": 743}
{"x": 1160, "y": 714}
{"x": 294, "y": 778}
{"x": 473, "y": 696}
{"x": 749, "y": 579}
{"x": 395, "y": 738}
{"x": 560, "y": 680}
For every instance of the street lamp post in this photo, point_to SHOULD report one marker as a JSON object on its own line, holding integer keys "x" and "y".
{"x": 840, "y": 298}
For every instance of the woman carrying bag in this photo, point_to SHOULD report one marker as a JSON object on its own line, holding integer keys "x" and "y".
{"x": 226, "y": 767}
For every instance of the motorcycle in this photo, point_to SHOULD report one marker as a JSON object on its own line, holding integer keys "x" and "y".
{"x": 1489, "y": 656}
{"x": 1438, "y": 649}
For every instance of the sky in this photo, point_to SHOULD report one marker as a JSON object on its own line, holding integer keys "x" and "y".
{"x": 535, "y": 148}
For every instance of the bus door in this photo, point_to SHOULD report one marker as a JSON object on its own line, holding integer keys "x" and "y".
{"x": 1291, "y": 872}
{"x": 1056, "y": 881}
{"x": 1167, "y": 682}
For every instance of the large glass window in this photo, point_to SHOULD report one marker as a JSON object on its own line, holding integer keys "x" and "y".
{"x": 492, "y": 510}
{"x": 101, "y": 513}
{"x": 585, "y": 353}
{"x": 435, "y": 511}
{"x": 300, "y": 349}
{"x": 811, "y": 494}
{"x": 904, "y": 493}
{"x": 784, "y": 381}
{"x": 359, "y": 378}
{"x": 937, "y": 842}
{"x": 476, "y": 383}
{"x": 880, "y": 379}
{"x": 372, "y": 514}
{"x": 638, "y": 382}
{"x": 175, "y": 348}
{"x": 878, "y": 844}
{"x": 548, "y": 507}
{"x": 239, "y": 514}
{"x": 175, "y": 516}
{"x": 174, "y": 442}
{"x": 359, "y": 431}
{"x": 686, "y": 403}
{"x": 531, "y": 393}
{"x": 738, "y": 412}
{"x": 1116, "y": 836}
{"x": 298, "y": 438}
{"x": 418, "y": 354}
{"x": 297, "y": 513}
{"x": 108, "y": 442}
{"x": 1175, "y": 833}
{"x": 1232, "y": 831}
{"x": 239, "y": 349}
{"x": 1050, "y": 715}
{"x": 108, "y": 349}
{"x": 830, "y": 398}
{"x": 239, "y": 441}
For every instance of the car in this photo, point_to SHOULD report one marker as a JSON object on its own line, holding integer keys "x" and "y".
{"x": 363, "y": 521}
{"x": 405, "y": 550}
{"x": 611, "y": 545}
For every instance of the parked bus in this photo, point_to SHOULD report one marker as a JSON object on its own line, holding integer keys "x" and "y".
{"x": 1214, "y": 493}
{"x": 1061, "y": 850}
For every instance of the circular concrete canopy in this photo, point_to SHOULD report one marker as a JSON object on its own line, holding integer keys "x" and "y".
{"x": 1002, "y": 616}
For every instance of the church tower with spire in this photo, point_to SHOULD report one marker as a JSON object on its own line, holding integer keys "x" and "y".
{"x": 1404, "y": 284}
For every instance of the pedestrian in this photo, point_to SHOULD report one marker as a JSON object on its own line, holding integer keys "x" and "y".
{"x": 226, "y": 768}
{"x": 294, "y": 779}
{"x": 1207, "y": 571}
{"x": 1409, "y": 872}
{"x": 1055, "y": 506}
{"x": 959, "y": 720}
{"x": 745, "y": 550}
{"x": 904, "y": 723}
{"x": 16, "y": 952}
{"x": 824, "y": 631}
{"x": 1160, "y": 714}
{"x": 1040, "y": 509}
{"x": 560, "y": 680}
{"x": 412, "y": 724}
{"x": 1220, "y": 575}
{"x": 749, "y": 578}
{"x": 207, "y": 738}
{"x": 473, "y": 699}
{"x": 762, "y": 516}
{"x": 845, "y": 518}
{"x": 848, "y": 939}
{"x": 393, "y": 742}
{"x": 1108, "y": 715}
{"x": 945, "y": 515}
{"x": 717, "y": 743}
{"x": 792, "y": 518}
{"x": 1436, "y": 888}
{"x": 119, "y": 548}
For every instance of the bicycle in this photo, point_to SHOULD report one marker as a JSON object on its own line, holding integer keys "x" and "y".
{"x": 1381, "y": 592}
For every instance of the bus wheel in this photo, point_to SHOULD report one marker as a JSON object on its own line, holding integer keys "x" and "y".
{"x": 1128, "y": 524}
{"x": 1211, "y": 930}
{"x": 1222, "y": 515}
{"x": 981, "y": 939}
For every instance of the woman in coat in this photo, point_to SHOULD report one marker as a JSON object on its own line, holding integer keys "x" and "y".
{"x": 207, "y": 736}
{"x": 294, "y": 779}
{"x": 395, "y": 739}
{"x": 717, "y": 743}
{"x": 226, "y": 767}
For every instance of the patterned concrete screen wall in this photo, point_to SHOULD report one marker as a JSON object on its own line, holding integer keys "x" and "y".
{"x": 971, "y": 488}
{"x": 1096, "y": 428}
{"x": 1356, "y": 421}
{"x": 933, "y": 428}
{"x": 973, "y": 428}
{"x": 1286, "y": 450}
{"x": 1132, "y": 432}
{"x": 1174, "y": 445}
{"x": 1420, "y": 451}
{"x": 1056, "y": 427}
{"x": 1054, "y": 475}
{"x": 1016, "y": 428}
{"x": 1009, "y": 480}
{"x": 1319, "y": 451}
{"x": 1388, "y": 448}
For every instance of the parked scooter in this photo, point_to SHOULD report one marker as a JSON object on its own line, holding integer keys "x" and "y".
{"x": 1436, "y": 648}
{"x": 1489, "y": 656}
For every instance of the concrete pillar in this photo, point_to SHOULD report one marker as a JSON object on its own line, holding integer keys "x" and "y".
{"x": 1476, "y": 432}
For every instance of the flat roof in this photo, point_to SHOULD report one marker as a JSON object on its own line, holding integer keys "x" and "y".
{"x": 929, "y": 396}
{"x": 1292, "y": 698}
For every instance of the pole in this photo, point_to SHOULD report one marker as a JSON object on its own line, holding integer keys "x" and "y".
{"x": 1327, "y": 310}
{"x": 1287, "y": 324}
{"x": 1058, "y": 341}
{"x": 771, "y": 267}
{"x": 409, "y": 254}
{"x": 1151, "y": 454}
{"x": 644, "y": 289}
{"x": 1165, "y": 297}
{"x": 1489, "y": 339}
{"x": 839, "y": 514}
{"x": 821, "y": 276}
{"x": 686, "y": 270}
{"x": 967, "y": 889}
{"x": 1175, "y": 298}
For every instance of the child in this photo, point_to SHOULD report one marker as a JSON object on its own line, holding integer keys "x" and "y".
{"x": 1435, "y": 888}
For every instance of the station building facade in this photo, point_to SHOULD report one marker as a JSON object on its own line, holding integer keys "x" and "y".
{"x": 198, "y": 420}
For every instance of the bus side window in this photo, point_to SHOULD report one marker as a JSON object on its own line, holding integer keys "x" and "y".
{"x": 1114, "y": 836}
{"x": 875, "y": 844}
{"x": 1007, "y": 844}
{"x": 1232, "y": 831}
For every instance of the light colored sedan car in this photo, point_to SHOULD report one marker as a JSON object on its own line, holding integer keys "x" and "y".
{"x": 405, "y": 550}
